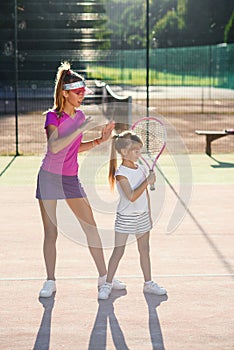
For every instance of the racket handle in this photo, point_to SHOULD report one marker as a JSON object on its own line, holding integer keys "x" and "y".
{"x": 152, "y": 187}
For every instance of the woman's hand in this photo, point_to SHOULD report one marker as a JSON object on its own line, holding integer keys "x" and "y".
{"x": 106, "y": 131}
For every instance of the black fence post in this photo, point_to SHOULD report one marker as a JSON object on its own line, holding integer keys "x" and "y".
{"x": 147, "y": 57}
{"x": 16, "y": 78}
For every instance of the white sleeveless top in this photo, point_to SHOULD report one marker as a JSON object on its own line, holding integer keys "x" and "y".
{"x": 135, "y": 178}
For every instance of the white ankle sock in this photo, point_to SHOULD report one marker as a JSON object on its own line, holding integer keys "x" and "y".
{"x": 148, "y": 282}
{"x": 108, "y": 283}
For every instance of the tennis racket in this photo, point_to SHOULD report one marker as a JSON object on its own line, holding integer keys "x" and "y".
{"x": 153, "y": 134}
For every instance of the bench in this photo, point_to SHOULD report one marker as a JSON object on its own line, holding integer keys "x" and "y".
{"x": 213, "y": 135}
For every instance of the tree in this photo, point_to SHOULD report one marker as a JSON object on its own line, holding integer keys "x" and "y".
{"x": 167, "y": 30}
{"x": 126, "y": 23}
{"x": 172, "y": 23}
{"x": 206, "y": 21}
{"x": 229, "y": 30}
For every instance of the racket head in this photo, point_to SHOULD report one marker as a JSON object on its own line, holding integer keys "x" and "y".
{"x": 152, "y": 132}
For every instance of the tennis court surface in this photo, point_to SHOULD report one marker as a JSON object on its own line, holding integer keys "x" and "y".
{"x": 195, "y": 263}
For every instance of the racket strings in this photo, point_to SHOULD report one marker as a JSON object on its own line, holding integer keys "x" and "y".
{"x": 152, "y": 135}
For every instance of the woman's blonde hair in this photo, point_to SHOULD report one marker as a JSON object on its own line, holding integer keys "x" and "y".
{"x": 125, "y": 140}
{"x": 64, "y": 76}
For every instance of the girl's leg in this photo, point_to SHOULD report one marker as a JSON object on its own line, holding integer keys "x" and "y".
{"x": 48, "y": 214}
{"x": 120, "y": 244}
{"x": 144, "y": 250}
{"x": 83, "y": 212}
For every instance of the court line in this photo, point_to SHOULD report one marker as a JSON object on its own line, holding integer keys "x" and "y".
{"x": 62, "y": 278}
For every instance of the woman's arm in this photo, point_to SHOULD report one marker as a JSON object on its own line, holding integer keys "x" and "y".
{"x": 106, "y": 133}
{"x": 131, "y": 194}
{"x": 56, "y": 143}
{"x": 87, "y": 145}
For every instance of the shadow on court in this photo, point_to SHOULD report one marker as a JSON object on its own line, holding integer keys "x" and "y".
{"x": 5, "y": 167}
{"x": 43, "y": 335}
{"x": 105, "y": 315}
{"x": 221, "y": 164}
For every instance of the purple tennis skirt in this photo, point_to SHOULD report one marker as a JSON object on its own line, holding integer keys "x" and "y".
{"x": 56, "y": 186}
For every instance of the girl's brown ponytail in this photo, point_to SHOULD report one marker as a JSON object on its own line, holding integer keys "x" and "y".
{"x": 112, "y": 163}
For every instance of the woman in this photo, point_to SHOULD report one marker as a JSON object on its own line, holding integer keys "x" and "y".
{"x": 58, "y": 175}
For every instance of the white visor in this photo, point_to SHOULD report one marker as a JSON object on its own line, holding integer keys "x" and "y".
{"x": 78, "y": 85}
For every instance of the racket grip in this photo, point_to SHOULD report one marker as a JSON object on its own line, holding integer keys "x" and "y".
{"x": 152, "y": 187}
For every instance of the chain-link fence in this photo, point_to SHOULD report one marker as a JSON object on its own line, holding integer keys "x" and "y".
{"x": 193, "y": 87}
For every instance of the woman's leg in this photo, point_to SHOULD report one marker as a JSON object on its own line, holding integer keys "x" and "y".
{"x": 83, "y": 212}
{"x": 48, "y": 214}
{"x": 144, "y": 250}
{"x": 120, "y": 244}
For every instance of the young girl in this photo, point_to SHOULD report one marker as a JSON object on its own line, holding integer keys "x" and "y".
{"x": 57, "y": 178}
{"x": 133, "y": 211}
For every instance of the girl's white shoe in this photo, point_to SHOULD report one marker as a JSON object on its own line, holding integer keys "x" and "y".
{"x": 49, "y": 287}
{"x": 153, "y": 288}
{"x": 104, "y": 291}
{"x": 116, "y": 284}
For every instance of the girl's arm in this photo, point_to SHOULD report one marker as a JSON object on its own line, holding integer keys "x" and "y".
{"x": 56, "y": 143}
{"x": 106, "y": 133}
{"x": 131, "y": 194}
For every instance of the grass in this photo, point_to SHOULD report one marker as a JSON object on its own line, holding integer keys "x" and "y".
{"x": 131, "y": 76}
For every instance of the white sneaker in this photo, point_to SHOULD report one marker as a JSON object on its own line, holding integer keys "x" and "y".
{"x": 154, "y": 288}
{"x": 105, "y": 291}
{"x": 49, "y": 287}
{"x": 116, "y": 284}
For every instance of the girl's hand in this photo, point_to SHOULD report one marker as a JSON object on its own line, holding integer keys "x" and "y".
{"x": 151, "y": 178}
{"x": 107, "y": 130}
